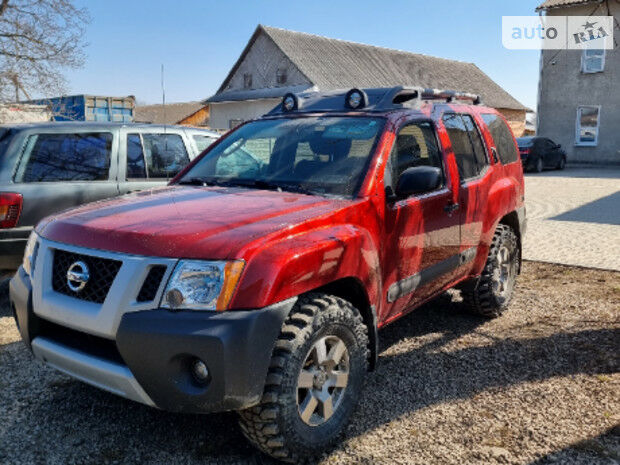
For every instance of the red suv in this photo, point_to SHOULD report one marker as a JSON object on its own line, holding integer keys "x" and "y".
{"x": 258, "y": 278}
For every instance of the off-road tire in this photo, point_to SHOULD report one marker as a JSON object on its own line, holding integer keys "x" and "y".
{"x": 275, "y": 425}
{"x": 480, "y": 294}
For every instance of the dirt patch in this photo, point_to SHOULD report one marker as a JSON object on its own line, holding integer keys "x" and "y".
{"x": 537, "y": 386}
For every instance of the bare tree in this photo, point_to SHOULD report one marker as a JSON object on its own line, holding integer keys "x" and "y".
{"x": 39, "y": 39}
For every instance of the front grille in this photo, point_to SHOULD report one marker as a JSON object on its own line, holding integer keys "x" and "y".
{"x": 102, "y": 272}
{"x": 77, "y": 340}
{"x": 151, "y": 284}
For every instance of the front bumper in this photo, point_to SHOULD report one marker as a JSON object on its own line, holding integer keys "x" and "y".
{"x": 150, "y": 358}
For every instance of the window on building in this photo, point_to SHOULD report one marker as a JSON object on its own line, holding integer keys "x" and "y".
{"x": 587, "y": 125}
{"x": 593, "y": 60}
{"x": 247, "y": 81}
{"x": 233, "y": 123}
{"x": 281, "y": 76}
{"x": 502, "y": 137}
{"x": 466, "y": 144}
{"x": 158, "y": 156}
{"x": 66, "y": 157}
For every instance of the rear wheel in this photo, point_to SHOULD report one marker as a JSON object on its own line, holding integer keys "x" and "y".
{"x": 315, "y": 378}
{"x": 490, "y": 294}
{"x": 5, "y": 277}
{"x": 538, "y": 167}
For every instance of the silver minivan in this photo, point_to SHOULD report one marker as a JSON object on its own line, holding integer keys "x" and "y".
{"x": 49, "y": 167}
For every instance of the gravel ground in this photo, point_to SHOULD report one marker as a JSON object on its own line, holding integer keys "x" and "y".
{"x": 539, "y": 385}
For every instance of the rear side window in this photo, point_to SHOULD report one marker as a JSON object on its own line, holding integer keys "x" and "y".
{"x": 136, "y": 166}
{"x": 502, "y": 137}
{"x": 466, "y": 145}
{"x": 155, "y": 155}
{"x": 202, "y": 142}
{"x": 66, "y": 157}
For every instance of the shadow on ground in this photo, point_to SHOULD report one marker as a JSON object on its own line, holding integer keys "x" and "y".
{"x": 605, "y": 210}
{"x": 604, "y": 449}
{"x": 69, "y": 422}
{"x": 580, "y": 171}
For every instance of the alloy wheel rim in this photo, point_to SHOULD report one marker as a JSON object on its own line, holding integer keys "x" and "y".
{"x": 322, "y": 380}
{"x": 504, "y": 272}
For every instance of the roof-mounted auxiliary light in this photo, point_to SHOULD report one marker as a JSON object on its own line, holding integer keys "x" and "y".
{"x": 290, "y": 102}
{"x": 356, "y": 99}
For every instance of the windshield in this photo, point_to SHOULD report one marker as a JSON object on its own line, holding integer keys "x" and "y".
{"x": 317, "y": 155}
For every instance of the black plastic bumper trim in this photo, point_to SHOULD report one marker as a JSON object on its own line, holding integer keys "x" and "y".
{"x": 411, "y": 283}
{"x": 160, "y": 346}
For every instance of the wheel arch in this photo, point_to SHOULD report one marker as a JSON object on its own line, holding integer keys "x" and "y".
{"x": 513, "y": 221}
{"x": 352, "y": 290}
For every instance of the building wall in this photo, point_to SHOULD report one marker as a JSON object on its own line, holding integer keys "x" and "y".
{"x": 224, "y": 112}
{"x": 263, "y": 61}
{"x": 198, "y": 119}
{"x": 563, "y": 87}
{"x": 516, "y": 120}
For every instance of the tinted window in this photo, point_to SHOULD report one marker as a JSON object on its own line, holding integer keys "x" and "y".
{"x": 165, "y": 154}
{"x": 6, "y": 135}
{"x": 67, "y": 157}
{"x": 415, "y": 145}
{"x": 135, "y": 157}
{"x": 461, "y": 146}
{"x": 502, "y": 137}
{"x": 476, "y": 141}
{"x": 324, "y": 155}
{"x": 202, "y": 142}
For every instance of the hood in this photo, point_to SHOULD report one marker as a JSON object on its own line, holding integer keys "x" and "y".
{"x": 185, "y": 221}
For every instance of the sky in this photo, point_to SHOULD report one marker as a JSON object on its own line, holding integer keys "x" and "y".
{"x": 199, "y": 41}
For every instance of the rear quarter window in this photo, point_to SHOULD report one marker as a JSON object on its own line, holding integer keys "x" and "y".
{"x": 502, "y": 137}
{"x": 66, "y": 157}
{"x": 202, "y": 142}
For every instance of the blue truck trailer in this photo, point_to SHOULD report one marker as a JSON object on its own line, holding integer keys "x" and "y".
{"x": 90, "y": 108}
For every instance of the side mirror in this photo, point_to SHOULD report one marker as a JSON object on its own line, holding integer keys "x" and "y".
{"x": 417, "y": 180}
{"x": 558, "y": 146}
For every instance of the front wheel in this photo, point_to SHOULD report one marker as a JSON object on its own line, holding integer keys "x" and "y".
{"x": 490, "y": 294}
{"x": 314, "y": 381}
{"x": 561, "y": 163}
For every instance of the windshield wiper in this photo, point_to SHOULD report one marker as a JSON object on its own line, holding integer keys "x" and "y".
{"x": 201, "y": 181}
{"x": 250, "y": 183}
{"x": 271, "y": 185}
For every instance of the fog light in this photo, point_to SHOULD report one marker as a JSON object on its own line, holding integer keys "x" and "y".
{"x": 290, "y": 102}
{"x": 200, "y": 371}
{"x": 356, "y": 99}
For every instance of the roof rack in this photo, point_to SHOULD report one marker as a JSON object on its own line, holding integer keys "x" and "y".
{"x": 368, "y": 100}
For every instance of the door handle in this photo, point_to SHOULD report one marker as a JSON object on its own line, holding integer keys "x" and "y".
{"x": 451, "y": 208}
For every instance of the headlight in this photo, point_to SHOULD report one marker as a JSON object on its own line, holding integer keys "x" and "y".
{"x": 202, "y": 285}
{"x": 30, "y": 254}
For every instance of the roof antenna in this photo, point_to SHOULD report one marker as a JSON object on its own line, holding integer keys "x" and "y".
{"x": 163, "y": 96}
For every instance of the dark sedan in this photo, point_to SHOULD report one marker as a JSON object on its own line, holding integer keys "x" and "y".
{"x": 538, "y": 153}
